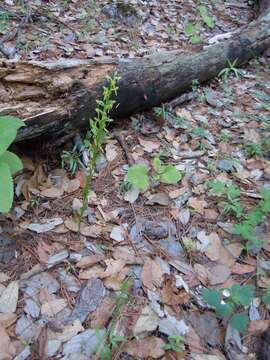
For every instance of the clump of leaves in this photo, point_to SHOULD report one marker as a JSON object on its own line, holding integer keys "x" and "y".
{"x": 231, "y": 69}
{"x": 253, "y": 219}
{"x": 97, "y": 132}
{"x": 232, "y": 194}
{"x": 254, "y": 149}
{"x": 192, "y": 31}
{"x": 175, "y": 343}
{"x": 71, "y": 159}
{"x": 207, "y": 19}
{"x": 9, "y": 162}
{"x": 138, "y": 175}
{"x": 228, "y": 304}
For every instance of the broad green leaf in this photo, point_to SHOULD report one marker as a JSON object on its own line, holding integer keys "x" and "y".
{"x": 195, "y": 39}
{"x": 224, "y": 310}
{"x": 138, "y": 176}
{"x": 242, "y": 295}
{"x": 7, "y": 136}
{"x": 6, "y": 188}
{"x": 239, "y": 322}
{"x": 13, "y": 161}
{"x": 170, "y": 175}
{"x": 8, "y": 131}
{"x": 212, "y": 297}
{"x": 189, "y": 29}
{"x": 10, "y": 122}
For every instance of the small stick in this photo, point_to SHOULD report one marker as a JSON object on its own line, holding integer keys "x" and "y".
{"x": 123, "y": 144}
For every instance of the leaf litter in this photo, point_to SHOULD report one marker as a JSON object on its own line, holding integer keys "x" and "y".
{"x": 169, "y": 241}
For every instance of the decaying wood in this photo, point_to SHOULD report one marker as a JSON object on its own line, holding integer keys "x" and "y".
{"x": 54, "y": 97}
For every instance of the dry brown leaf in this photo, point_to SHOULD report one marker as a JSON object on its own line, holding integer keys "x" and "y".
{"x": 127, "y": 254}
{"x": 90, "y": 260}
{"x": 149, "y": 146}
{"x": 171, "y": 295}
{"x": 53, "y": 307}
{"x": 52, "y": 193}
{"x": 197, "y": 205}
{"x": 242, "y": 269}
{"x": 94, "y": 271}
{"x": 113, "y": 267}
{"x": 73, "y": 185}
{"x": 7, "y": 349}
{"x": 100, "y": 317}
{"x": 116, "y": 281}
{"x": 219, "y": 274}
{"x": 93, "y": 231}
{"x": 149, "y": 347}
{"x": 9, "y": 298}
{"x": 152, "y": 274}
{"x": 215, "y": 251}
{"x": 146, "y": 322}
{"x": 257, "y": 327}
{"x": 7, "y": 319}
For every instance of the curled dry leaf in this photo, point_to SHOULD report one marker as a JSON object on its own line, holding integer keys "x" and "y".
{"x": 149, "y": 347}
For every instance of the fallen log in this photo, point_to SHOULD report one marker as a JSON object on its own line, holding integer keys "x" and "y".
{"x": 55, "y": 97}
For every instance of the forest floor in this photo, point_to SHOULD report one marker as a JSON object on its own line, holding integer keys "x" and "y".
{"x": 175, "y": 272}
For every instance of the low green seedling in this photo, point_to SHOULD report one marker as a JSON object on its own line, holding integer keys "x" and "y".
{"x": 229, "y": 304}
{"x": 254, "y": 149}
{"x": 231, "y": 69}
{"x": 175, "y": 343}
{"x": 72, "y": 160}
{"x": 138, "y": 175}
{"x": 232, "y": 194}
{"x": 253, "y": 219}
{"x": 192, "y": 31}
{"x": 10, "y": 163}
{"x": 207, "y": 19}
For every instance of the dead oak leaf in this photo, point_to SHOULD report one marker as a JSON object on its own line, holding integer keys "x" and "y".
{"x": 152, "y": 274}
{"x": 8, "y": 350}
{"x": 149, "y": 347}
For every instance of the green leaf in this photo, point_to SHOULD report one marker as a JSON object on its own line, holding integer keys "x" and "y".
{"x": 266, "y": 298}
{"x": 8, "y": 131}
{"x": 212, "y": 297}
{"x": 239, "y": 322}
{"x": 157, "y": 165}
{"x": 242, "y": 295}
{"x": 217, "y": 187}
{"x": 13, "y": 161}
{"x": 224, "y": 310}
{"x": 195, "y": 39}
{"x": 170, "y": 175}
{"x": 208, "y": 20}
{"x": 6, "y": 188}
{"x": 233, "y": 192}
{"x": 138, "y": 176}
{"x": 189, "y": 29}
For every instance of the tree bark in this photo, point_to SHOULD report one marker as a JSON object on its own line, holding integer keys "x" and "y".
{"x": 55, "y": 97}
